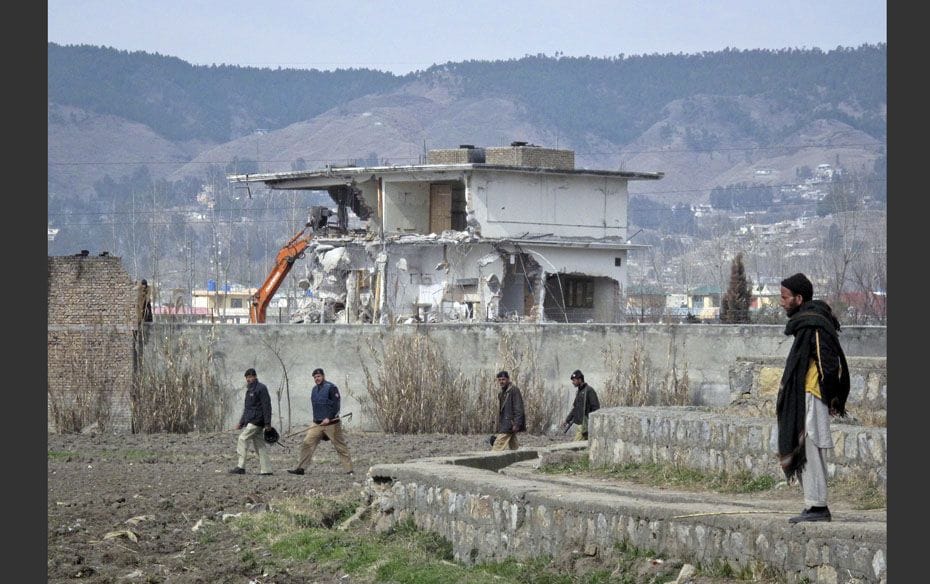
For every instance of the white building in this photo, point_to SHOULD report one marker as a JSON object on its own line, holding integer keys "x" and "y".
{"x": 476, "y": 233}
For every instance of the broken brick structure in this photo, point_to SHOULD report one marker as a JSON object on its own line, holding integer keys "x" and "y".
{"x": 92, "y": 324}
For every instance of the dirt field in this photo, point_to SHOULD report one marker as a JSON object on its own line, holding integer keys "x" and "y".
{"x": 159, "y": 486}
{"x": 122, "y": 508}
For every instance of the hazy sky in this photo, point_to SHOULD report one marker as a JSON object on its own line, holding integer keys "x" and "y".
{"x": 406, "y": 35}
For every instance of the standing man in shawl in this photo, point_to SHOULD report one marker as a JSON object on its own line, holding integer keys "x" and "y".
{"x": 813, "y": 388}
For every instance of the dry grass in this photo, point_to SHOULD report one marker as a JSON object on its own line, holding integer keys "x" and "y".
{"x": 177, "y": 389}
{"x": 415, "y": 389}
{"x": 637, "y": 384}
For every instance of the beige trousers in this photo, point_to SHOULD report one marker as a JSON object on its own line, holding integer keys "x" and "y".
{"x": 255, "y": 436}
{"x": 506, "y": 441}
{"x": 315, "y": 435}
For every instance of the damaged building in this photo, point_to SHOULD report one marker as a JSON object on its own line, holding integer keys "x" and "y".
{"x": 482, "y": 234}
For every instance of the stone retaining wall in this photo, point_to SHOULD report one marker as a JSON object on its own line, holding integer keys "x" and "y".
{"x": 701, "y": 439}
{"x": 754, "y": 382}
{"x": 490, "y": 517}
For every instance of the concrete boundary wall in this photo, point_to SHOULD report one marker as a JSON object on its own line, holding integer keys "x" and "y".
{"x": 712, "y": 443}
{"x": 490, "y": 516}
{"x": 553, "y": 350}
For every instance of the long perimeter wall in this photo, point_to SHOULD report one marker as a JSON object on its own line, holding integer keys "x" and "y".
{"x": 285, "y": 355}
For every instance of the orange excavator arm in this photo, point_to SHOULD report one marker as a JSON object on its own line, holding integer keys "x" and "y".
{"x": 291, "y": 252}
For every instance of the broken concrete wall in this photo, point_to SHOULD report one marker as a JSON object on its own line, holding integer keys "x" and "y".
{"x": 705, "y": 352}
{"x": 512, "y": 204}
{"x": 91, "y": 325}
{"x": 406, "y": 208}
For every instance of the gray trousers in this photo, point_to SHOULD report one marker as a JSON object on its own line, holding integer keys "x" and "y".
{"x": 253, "y": 435}
{"x": 817, "y": 441}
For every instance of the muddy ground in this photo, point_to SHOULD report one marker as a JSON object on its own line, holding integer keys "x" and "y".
{"x": 157, "y": 487}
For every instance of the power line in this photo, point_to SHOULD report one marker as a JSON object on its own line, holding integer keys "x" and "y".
{"x": 577, "y": 153}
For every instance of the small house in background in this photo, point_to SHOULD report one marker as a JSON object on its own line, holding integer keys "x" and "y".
{"x": 227, "y": 305}
{"x": 766, "y": 295}
{"x": 645, "y": 303}
{"x": 704, "y": 302}
{"x": 487, "y": 234}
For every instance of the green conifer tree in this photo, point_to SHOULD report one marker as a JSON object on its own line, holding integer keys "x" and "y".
{"x": 734, "y": 307}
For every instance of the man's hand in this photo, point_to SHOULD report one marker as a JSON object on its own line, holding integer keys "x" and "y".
{"x": 238, "y": 427}
{"x": 325, "y": 422}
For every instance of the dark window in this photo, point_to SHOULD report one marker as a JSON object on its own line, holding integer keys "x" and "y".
{"x": 579, "y": 293}
{"x": 617, "y": 262}
{"x": 235, "y": 303}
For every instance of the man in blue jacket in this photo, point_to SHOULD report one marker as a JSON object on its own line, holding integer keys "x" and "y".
{"x": 256, "y": 418}
{"x": 325, "y": 402}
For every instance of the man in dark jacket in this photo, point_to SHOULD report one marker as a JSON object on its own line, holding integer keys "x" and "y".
{"x": 256, "y": 418}
{"x": 511, "y": 417}
{"x": 585, "y": 402}
{"x": 813, "y": 388}
{"x": 325, "y": 402}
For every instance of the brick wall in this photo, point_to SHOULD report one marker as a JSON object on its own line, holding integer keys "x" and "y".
{"x": 455, "y": 156}
{"x": 533, "y": 157}
{"x": 91, "y": 324}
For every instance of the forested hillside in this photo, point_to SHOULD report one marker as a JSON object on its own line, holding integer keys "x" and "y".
{"x": 139, "y": 144}
{"x": 615, "y": 98}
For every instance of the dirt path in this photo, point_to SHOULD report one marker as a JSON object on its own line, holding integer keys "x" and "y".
{"x": 159, "y": 486}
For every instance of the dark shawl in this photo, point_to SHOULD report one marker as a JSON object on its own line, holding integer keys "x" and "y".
{"x": 811, "y": 316}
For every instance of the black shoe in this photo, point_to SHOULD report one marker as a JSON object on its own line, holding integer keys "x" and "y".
{"x": 237, "y": 470}
{"x": 812, "y": 514}
{"x": 265, "y": 474}
{"x": 350, "y": 473}
{"x": 299, "y": 471}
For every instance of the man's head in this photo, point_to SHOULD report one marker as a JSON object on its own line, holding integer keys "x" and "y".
{"x": 503, "y": 378}
{"x": 318, "y": 376}
{"x": 250, "y": 375}
{"x": 795, "y": 291}
{"x": 577, "y": 377}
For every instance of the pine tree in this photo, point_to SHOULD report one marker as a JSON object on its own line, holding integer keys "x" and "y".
{"x": 734, "y": 308}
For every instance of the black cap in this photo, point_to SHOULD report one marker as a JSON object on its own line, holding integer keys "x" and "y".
{"x": 577, "y": 374}
{"x": 799, "y": 284}
{"x": 503, "y": 374}
{"x": 318, "y": 370}
{"x": 250, "y": 372}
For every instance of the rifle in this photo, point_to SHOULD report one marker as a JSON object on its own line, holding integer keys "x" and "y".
{"x": 325, "y": 437}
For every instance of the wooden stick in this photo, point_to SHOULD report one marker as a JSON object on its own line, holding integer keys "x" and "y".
{"x": 730, "y": 513}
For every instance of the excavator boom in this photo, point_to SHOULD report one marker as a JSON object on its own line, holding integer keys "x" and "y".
{"x": 287, "y": 255}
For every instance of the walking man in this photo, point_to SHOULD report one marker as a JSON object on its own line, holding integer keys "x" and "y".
{"x": 256, "y": 418}
{"x": 511, "y": 417}
{"x": 325, "y": 402}
{"x": 585, "y": 402}
{"x": 813, "y": 388}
